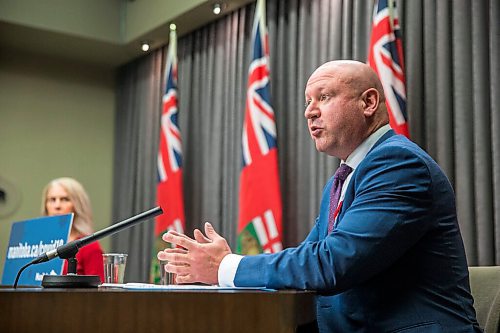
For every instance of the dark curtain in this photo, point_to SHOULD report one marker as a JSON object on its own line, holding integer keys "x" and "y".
{"x": 137, "y": 131}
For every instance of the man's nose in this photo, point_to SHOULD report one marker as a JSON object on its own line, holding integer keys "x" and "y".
{"x": 312, "y": 111}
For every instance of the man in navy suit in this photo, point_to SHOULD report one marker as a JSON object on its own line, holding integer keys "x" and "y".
{"x": 385, "y": 254}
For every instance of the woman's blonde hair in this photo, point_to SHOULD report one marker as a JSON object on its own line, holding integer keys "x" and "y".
{"x": 82, "y": 221}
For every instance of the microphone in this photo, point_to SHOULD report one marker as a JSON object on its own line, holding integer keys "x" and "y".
{"x": 69, "y": 250}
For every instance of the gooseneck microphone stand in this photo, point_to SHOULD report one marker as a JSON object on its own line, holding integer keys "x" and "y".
{"x": 69, "y": 250}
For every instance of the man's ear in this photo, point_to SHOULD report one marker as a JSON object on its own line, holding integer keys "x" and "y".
{"x": 370, "y": 99}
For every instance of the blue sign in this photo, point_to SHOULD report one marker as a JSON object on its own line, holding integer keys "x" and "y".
{"x": 29, "y": 239}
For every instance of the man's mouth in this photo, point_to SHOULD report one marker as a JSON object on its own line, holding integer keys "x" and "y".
{"x": 315, "y": 130}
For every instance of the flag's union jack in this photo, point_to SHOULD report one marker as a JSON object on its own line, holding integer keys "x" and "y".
{"x": 386, "y": 58}
{"x": 170, "y": 152}
{"x": 169, "y": 188}
{"x": 259, "y": 129}
{"x": 259, "y": 225}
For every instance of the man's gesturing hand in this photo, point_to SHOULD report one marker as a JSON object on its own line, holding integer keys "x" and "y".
{"x": 198, "y": 260}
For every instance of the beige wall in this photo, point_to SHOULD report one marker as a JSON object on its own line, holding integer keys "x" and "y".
{"x": 115, "y": 21}
{"x": 143, "y": 16}
{"x": 56, "y": 119}
{"x": 93, "y": 19}
{"x": 106, "y": 32}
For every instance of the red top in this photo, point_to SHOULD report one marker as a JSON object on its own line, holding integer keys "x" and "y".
{"x": 89, "y": 260}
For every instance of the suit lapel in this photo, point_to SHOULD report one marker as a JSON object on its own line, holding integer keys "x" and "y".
{"x": 350, "y": 191}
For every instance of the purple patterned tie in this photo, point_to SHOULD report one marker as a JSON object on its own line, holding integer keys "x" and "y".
{"x": 338, "y": 180}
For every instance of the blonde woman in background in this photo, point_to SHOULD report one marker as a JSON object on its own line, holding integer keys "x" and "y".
{"x": 64, "y": 196}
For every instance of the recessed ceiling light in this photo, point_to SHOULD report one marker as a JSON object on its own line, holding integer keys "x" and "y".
{"x": 145, "y": 46}
{"x": 217, "y": 8}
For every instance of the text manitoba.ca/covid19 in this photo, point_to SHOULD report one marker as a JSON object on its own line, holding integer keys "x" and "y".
{"x": 26, "y": 250}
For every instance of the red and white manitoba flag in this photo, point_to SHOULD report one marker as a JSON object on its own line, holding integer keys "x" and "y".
{"x": 259, "y": 221}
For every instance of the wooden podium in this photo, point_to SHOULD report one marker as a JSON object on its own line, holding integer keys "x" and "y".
{"x": 117, "y": 310}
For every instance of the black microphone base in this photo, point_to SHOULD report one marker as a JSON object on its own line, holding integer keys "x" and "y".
{"x": 70, "y": 281}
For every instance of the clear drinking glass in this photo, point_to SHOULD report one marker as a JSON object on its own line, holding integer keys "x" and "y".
{"x": 114, "y": 267}
{"x": 166, "y": 277}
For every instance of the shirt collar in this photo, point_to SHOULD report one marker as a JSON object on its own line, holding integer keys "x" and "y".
{"x": 360, "y": 152}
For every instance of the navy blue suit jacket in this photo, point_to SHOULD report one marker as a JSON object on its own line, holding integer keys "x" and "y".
{"x": 395, "y": 261}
